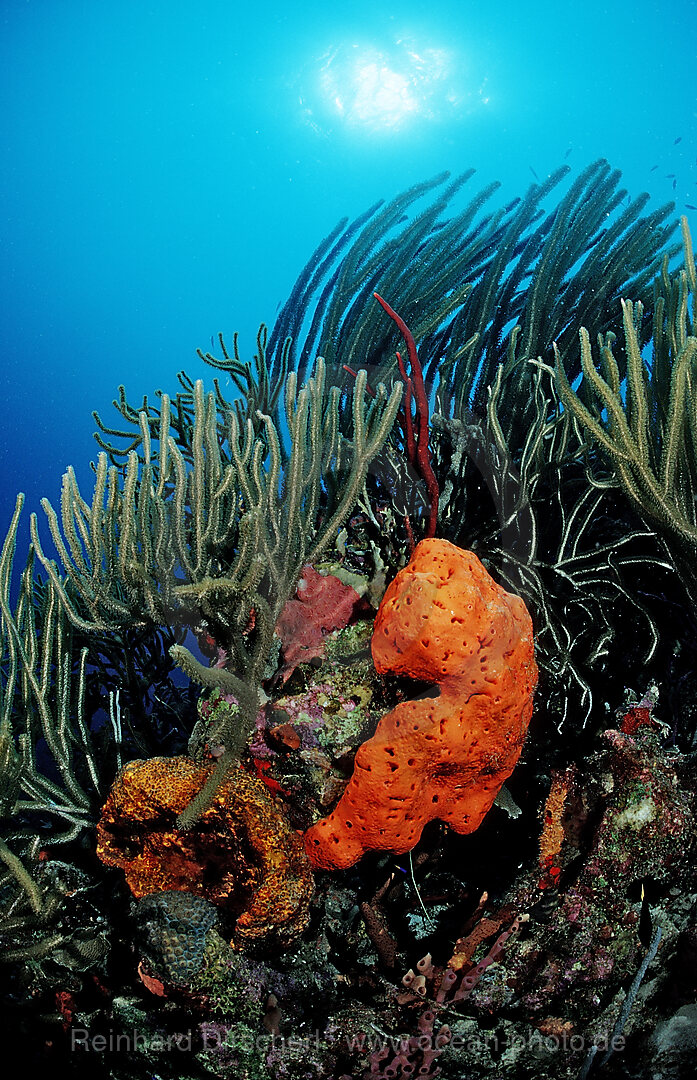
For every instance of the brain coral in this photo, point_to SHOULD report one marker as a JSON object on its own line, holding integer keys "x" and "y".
{"x": 444, "y": 620}
{"x": 241, "y": 855}
{"x": 172, "y": 928}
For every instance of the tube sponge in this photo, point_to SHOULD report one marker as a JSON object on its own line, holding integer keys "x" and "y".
{"x": 446, "y": 621}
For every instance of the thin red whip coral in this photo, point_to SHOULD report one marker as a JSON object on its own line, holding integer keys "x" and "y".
{"x": 416, "y": 442}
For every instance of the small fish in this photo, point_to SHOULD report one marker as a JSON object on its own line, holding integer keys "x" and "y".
{"x": 567, "y": 153}
{"x": 212, "y": 342}
{"x": 676, "y": 141}
{"x": 675, "y": 184}
{"x": 689, "y": 206}
{"x": 533, "y": 172}
{"x": 670, "y": 175}
{"x": 653, "y": 168}
{"x": 645, "y": 920}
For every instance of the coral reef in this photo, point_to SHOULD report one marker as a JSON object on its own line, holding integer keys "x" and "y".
{"x": 445, "y": 621}
{"x": 202, "y": 658}
{"x": 223, "y": 540}
{"x": 242, "y": 855}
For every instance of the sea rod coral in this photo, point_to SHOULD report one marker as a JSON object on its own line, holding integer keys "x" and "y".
{"x": 222, "y": 541}
{"x": 641, "y": 412}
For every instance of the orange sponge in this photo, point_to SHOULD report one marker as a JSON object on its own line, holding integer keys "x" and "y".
{"x": 242, "y": 854}
{"x": 444, "y": 620}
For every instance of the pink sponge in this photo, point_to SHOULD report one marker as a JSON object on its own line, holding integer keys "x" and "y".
{"x": 322, "y": 603}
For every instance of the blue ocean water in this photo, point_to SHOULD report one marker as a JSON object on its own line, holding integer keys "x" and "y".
{"x": 167, "y": 168}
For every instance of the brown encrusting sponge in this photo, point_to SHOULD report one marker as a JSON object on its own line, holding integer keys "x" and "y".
{"x": 443, "y": 620}
{"x": 242, "y": 855}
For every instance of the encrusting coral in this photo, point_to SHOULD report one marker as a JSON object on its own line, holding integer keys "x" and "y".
{"x": 241, "y": 855}
{"x": 443, "y": 620}
{"x": 172, "y": 932}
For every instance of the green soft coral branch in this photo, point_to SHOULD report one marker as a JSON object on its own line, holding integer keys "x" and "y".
{"x": 625, "y": 438}
{"x": 650, "y": 435}
{"x": 284, "y": 537}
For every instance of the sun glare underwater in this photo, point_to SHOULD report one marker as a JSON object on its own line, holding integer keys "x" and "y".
{"x": 382, "y": 89}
